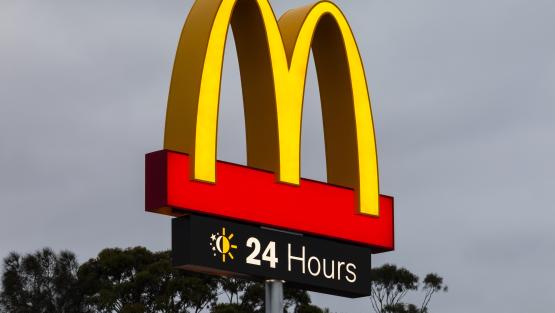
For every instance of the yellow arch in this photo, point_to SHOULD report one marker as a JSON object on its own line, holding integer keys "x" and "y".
{"x": 273, "y": 59}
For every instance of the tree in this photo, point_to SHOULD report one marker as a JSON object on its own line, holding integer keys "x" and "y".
{"x": 298, "y": 300}
{"x": 433, "y": 283}
{"x": 309, "y": 308}
{"x": 252, "y": 299}
{"x": 229, "y": 308}
{"x": 178, "y": 290}
{"x": 132, "y": 280}
{"x": 250, "y": 296}
{"x": 41, "y": 282}
{"x": 137, "y": 280}
{"x": 391, "y": 284}
{"x": 233, "y": 288}
{"x": 116, "y": 280}
{"x": 402, "y": 308}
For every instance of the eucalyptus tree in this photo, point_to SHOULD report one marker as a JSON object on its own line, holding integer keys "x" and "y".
{"x": 390, "y": 284}
{"x": 41, "y": 282}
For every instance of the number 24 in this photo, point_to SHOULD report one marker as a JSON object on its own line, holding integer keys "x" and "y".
{"x": 269, "y": 254}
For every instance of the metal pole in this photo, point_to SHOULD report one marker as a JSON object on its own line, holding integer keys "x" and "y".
{"x": 274, "y": 296}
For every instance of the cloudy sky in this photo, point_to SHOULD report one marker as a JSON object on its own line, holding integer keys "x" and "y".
{"x": 464, "y": 106}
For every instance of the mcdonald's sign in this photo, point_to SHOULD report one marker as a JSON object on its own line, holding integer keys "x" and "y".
{"x": 185, "y": 176}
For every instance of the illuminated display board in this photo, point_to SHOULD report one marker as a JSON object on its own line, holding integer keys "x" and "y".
{"x": 219, "y": 246}
{"x": 273, "y": 55}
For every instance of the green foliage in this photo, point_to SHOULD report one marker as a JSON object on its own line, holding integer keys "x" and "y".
{"x": 432, "y": 283}
{"x": 248, "y": 296}
{"x": 136, "y": 279}
{"x": 41, "y": 282}
{"x": 233, "y": 287}
{"x": 403, "y": 308}
{"x": 309, "y": 308}
{"x": 133, "y": 280}
{"x": 229, "y": 308}
{"x": 253, "y": 298}
{"x": 297, "y": 300}
{"x": 391, "y": 284}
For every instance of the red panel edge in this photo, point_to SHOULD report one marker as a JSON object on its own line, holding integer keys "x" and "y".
{"x": 250, "y": 195}
{"x": 156, "y": 178}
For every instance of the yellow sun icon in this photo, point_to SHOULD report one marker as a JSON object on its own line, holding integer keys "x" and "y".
{"x": 222, "y": 243}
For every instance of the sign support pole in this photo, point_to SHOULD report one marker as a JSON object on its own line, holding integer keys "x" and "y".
{"x": 274, "y": 296}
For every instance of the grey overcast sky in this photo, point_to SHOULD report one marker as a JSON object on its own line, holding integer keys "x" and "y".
{"x": 463, "y": 96}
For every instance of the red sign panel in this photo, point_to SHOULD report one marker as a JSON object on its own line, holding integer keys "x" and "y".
{"x": 251, "y": 195}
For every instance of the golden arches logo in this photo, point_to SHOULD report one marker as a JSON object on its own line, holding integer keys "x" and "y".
{"x": 273, "y": 58}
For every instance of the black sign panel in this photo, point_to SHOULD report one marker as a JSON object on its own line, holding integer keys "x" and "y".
{"x": 224, "y": 247}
